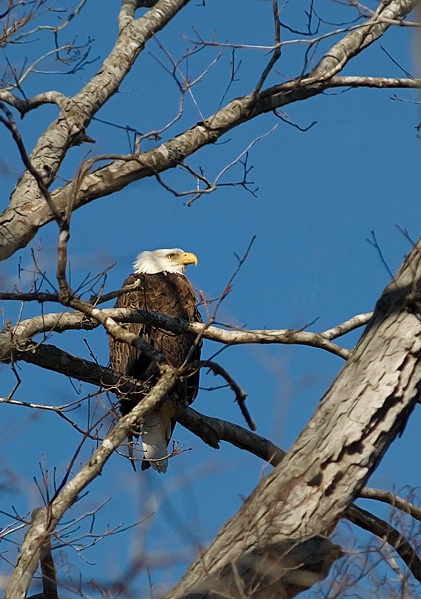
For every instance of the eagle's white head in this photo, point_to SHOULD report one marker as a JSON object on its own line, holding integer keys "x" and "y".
{"x": 170, "y": 260}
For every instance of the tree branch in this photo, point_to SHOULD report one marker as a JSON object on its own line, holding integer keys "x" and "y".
{"x": 319, "y": 477}
{"x": 389, "y": 534}
{"x": 16, "y": 224}
{"x": 47, "y": 519}
{"x": 374, "y": 82}
{"x": 392, "y": 499}
{"x": 63, "y": 321}
{"x": 212, "y": 430}
{"x": 26, "y": 104}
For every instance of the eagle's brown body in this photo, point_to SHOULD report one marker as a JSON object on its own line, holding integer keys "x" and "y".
{"x": 170, "y": 294}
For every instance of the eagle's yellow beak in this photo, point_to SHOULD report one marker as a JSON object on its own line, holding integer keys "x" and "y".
{"x": 188, "y": 258}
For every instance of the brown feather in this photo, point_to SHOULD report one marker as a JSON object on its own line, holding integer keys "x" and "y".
{"x": 170, "y": 294}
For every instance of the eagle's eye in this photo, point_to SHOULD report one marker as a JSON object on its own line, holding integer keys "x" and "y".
{"x": 171, "y": 255}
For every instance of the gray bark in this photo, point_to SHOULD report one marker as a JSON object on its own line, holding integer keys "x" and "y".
{"x": 28, "y": 210}
{"x": 278, "y": 543}
{"x": 305, "y": 496}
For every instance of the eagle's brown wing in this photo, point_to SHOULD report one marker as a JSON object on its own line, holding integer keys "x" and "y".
{"x": 170, "y": 294}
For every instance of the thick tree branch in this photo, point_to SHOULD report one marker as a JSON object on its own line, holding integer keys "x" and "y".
{"x": 115, "y": 176}
{"x": 319, "y": 477}
{"x": 17, "y": 223}
{"x": 52, "y": 358}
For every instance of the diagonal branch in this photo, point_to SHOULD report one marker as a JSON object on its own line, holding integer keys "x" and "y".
{"x": 69, "y": 128}
{"x": 212, "y": 430}
{"x": 47, "y": 519}
{"x": 385, "y": 531}
{"x": 393, "y": 500}
{"x": 387, "y": 14}
{"x": 120, "y": 173}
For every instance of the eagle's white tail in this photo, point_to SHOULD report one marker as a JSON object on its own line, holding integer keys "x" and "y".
{"x": 156, "y": 433}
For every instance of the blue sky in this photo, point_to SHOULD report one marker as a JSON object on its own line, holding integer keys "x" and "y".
{"x": 320, "y": 195}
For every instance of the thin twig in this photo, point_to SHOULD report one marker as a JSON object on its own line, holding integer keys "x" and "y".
{"x": 240, "y": 394}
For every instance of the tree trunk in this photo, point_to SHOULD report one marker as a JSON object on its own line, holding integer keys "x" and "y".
{"x": 276, "y": 545}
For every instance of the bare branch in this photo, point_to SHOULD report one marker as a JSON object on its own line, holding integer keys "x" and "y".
{"x": 116, "y": 330}
{"x": 240, "y": 395}
{"x": 347, "y": 326}
{"x": 63, "y": 321}
{"x": 366, "y": 11}
{"x": 10, "y": 123}
{"x": 393, "y": 500}
{"x": 54, "y": 359}
{"x": 385, "y": 531}
{"x": 374, "y": 82}
{"x": 46, "y": 519}
{"x": 128, "y": 9}
{"x": 116, "y": 176}
{"x": 276, "y": 49}
{"x": 27, "y": 104}
{"x": 212, "y": 430}
{"x": 48, "y": 568}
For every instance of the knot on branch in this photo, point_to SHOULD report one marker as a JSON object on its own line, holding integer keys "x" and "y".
{"x": 80, "y": 137}
{"x": 6, "y": 344}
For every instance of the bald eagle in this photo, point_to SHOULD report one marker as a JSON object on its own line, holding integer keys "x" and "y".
{"x": 161, "y": 287}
